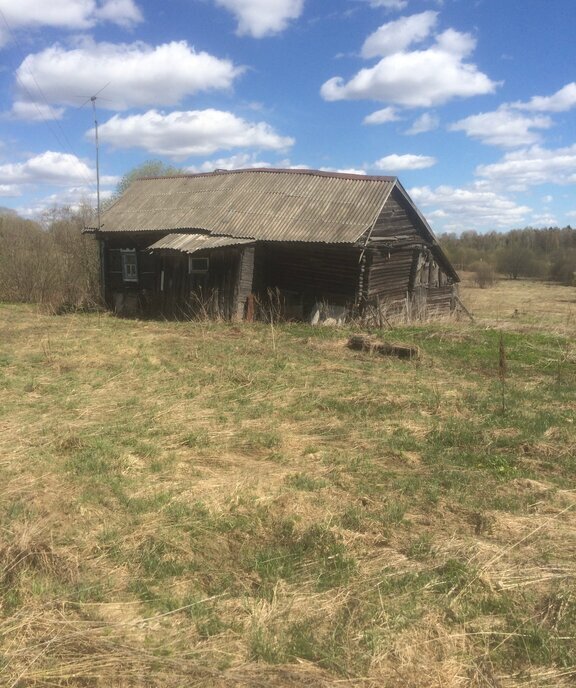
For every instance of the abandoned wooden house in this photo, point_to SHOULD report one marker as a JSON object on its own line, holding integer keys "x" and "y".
{"x": 305, "y": 243}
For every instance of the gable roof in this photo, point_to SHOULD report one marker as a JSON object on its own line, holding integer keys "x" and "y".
{"x": 263, "y": 204}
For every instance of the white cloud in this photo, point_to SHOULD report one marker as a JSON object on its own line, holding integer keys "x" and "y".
{"x": 423, "y": 78}
{"x": 9, "y": 191}
{"x": 533, "y": 166}
{"x": 343, "y": 170}
{"x": 234, "y": 162}
{"x": 395, "y": 163}
{"x": 183, "y": 134}
{"x": 503, "y": 127}
{"x": 36, "y": 112}
{"x": 389, "y": 4}
{"x": 424, "y": 123}
{"x": 74, "y": 198}
{"x": 469, "y": 208}
{"x": 399, "y": 35}
{"x": 544, "y": 220}
{"x": 122, "y": 12}
{"x": 138, "y": 74}
{"x": 49, "y": 167}
{"x": 66, "y": 14}
{"x": 259, "y": 18}
{"x": 388, "y": 114}
{"x": 561, "y": 101}
{"x": 456, "y": 43}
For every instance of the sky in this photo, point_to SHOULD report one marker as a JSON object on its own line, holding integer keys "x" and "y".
{"x": 470, "y": 103}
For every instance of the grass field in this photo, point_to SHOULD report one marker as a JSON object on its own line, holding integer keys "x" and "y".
{"x": 209, "y": 504}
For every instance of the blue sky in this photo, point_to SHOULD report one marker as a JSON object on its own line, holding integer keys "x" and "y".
{"x": 470, "y": 103}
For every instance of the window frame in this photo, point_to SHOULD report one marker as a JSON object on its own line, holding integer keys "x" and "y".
{"x": 196, "y": 270}
{"x": 129, "y": 259}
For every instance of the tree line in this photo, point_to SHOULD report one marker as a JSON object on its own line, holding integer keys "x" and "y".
{"x": 548, "y": 253}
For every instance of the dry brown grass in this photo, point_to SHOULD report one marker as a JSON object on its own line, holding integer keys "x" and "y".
{"x": 522, "y": 305}
{"x": 198, "y": 505}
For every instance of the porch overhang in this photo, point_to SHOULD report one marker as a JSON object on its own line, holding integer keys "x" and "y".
{"x": 191, "y": 243}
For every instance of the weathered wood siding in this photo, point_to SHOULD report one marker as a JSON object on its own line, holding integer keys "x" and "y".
{"x": 400, "y": 267}
{"x": 397, "y": 221}
{"x": 165, "y": 286}
{"x": 317, "y": 271}
{"x": 389, "y": 274}
{"x": 245, "y": 281}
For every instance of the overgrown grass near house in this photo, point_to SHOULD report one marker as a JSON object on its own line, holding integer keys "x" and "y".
{"x": 200, "y": 504}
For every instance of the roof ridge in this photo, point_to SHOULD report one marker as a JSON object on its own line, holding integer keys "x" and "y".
{"x": 280, "y": 170}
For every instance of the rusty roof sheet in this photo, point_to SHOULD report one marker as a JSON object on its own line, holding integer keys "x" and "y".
{"x": 190, "y": 243}
{"x": 263, "y": 204}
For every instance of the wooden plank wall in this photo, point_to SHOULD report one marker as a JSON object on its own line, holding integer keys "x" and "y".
{"x": 389, "y": 274}
{"x": 396, "y": 220}
{"x": 405, "y": 270}
{"x": 318, "y": 271}
{"x": 244, "y": 282}
{"x": 178, "y": 293}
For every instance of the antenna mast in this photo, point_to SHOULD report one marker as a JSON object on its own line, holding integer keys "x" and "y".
{"x": 93, "y": 100}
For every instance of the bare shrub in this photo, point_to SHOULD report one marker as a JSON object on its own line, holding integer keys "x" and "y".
{"x": 484, "y": 275}
{"x": 52, "y": 264}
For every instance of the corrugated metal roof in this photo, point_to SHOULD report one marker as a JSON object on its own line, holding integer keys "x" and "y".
{"x": 265, "y": 204}
{"x": 190, "y": 243}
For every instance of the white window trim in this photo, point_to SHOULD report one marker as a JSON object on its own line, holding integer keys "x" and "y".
{"x": 129, "y": 269}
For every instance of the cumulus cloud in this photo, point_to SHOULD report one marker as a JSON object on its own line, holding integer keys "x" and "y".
{"x": 75, "y": 198}
{"x": 419, "y": 78}
{"x": 533, "y": 166}
{"x": 388, "y": 114}
{"x": 196, "y": 132}
{"x": 259, "y": 18}
{"x": 138, "y": 75}
{"x": 9, "y": 191}
{"x": 503, "y": 127}
{"x": 424, "y": 123}
{"x": 399, "y": 35}
{"x": 50, "y": 167}
{"x": 66, "y": 14}
{"x": 474, "y": 207}
{"x": 395, "y": 163}
{"x": 35, "y": 112}
{"x": 234, "y": 162}
{"x": 122, "y": 12}
{"x": 561, "y": 101}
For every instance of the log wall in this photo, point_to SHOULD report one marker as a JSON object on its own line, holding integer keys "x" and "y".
{"x": 317, "y": 271}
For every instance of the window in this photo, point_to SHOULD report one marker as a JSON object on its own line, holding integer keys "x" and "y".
{"x": 197, "y": 265}
{"x": 129, "y": 265}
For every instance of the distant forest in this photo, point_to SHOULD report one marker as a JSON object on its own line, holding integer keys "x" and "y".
{"x": 537, "y": 253}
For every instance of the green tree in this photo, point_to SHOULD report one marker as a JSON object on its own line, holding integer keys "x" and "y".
{"x": 563, "y": 267}
{"x": 517, "y": 261}
{"x": 149, "y": 168}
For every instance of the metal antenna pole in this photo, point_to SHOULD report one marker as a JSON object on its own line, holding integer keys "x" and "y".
{"x": 93, "y": 99}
